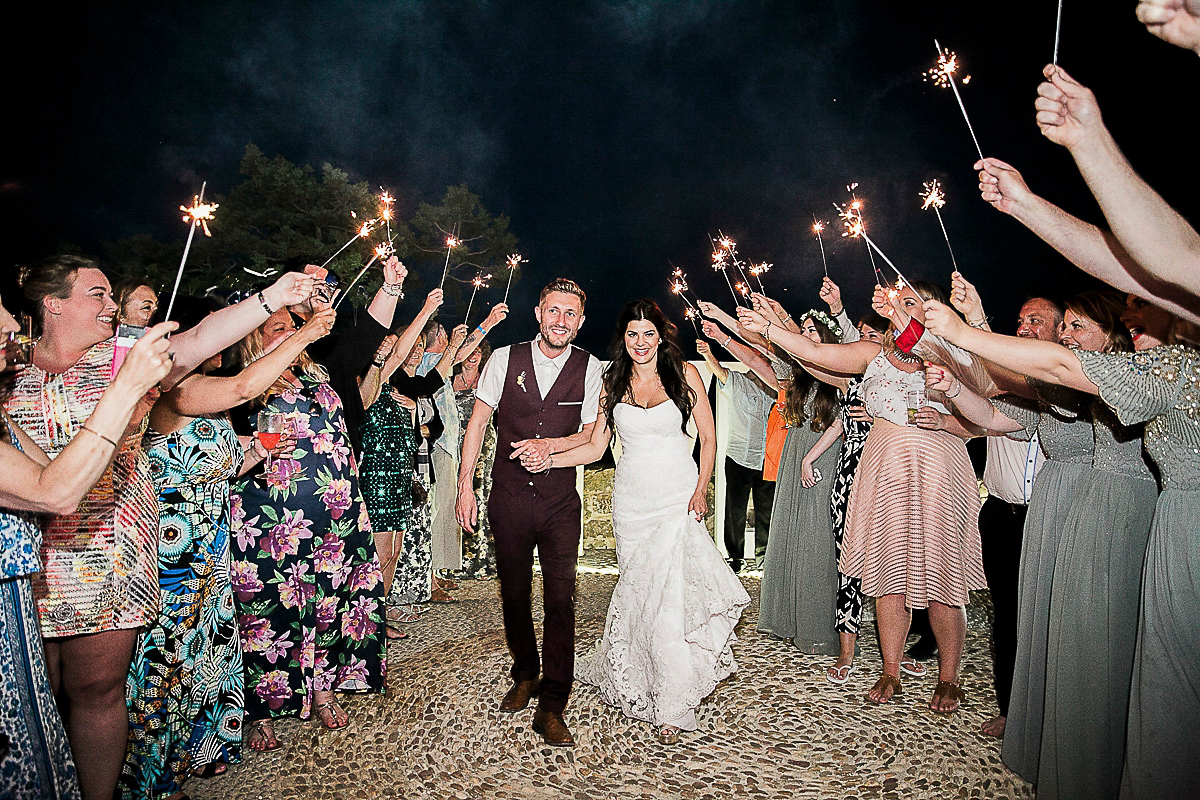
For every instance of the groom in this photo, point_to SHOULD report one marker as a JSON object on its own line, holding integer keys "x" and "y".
{"x": 542, "y": 392}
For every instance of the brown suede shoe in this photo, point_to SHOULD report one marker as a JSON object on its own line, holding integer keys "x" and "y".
{"x": 518, "y": 696}
{"x": 553, "y": 729}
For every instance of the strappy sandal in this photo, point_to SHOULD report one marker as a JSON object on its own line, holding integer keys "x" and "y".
{"x": 333, "y": 708}
{"x": 442, "y": 597}
{"x": 668, "y": 734}
{"x": 838, "y": 675}
{"x": 209, "y": 770}
{"x": 910, "y": 666}
{"x": 264, "y": 728}
{"x": 945, "y": 690}
{"x": 884, "y": 682}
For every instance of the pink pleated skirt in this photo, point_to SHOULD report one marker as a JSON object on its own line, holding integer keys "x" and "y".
{"x": 912, "y": 525}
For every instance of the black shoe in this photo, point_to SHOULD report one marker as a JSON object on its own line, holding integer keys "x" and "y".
{"x": 924, "y": 649}
{"x": 735, "y": 564}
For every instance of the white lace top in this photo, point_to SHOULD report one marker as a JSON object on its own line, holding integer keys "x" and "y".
{"x": 886, "y": 388}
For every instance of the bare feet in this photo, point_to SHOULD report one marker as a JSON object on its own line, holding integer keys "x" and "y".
{"x": 994, "y": 726}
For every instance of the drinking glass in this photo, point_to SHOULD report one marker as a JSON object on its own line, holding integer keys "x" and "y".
{"x": 270, "y": 429}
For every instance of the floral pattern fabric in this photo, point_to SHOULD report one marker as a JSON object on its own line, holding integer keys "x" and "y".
{"x": 185, "y": 681}
{"x": 478, "y": 548}
{"x": 306, "y": 578}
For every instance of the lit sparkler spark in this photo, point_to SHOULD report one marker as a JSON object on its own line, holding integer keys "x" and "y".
{"x": 935, "y": 198}
{"x": 725, "y": 248}
{"x": 758, "y": 270}
{"x": 742, "y": 288}
{"x": 196, "y": 215}
{"x": 478, "y": 282}
{"x": 363, "y": 232}
{"x": 199, "y": 213}
{"x": 691, "y": 314}
{"x": 720, "y": 266}
{"x": 384, "y": 251}
{"x": 943, "y": 75}
{"x": 817, "y": 227}
{"x": 512, "y": 262}
{"x": 386, "y": 201}
{"x": 452, "y": 242}
{"x": 367, "y": 227}
{"x": 856, "y": 228}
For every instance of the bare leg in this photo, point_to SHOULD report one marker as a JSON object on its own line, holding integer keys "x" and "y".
{"x": 387, "y": 546}
{"x": 840, "y": 672}
{"x": 92, "y": 672}
{"x": 949, "y": 625}
{"x": 893, "y": 617}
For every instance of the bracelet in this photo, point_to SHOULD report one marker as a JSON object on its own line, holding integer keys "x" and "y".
{"x": 377, "y": 364}
{"x": 255, "y": 447}
{"x": 266, "y": 307}
{"x": 549, "y": 463}
{"x": 98, "y": 433}
{"x": 767, "y": 333}
{"x": 956, "y": 394}
{"x": 394, "y": 289}
{"x": 978, "y": 324}
{"x": 786, "y": 317}
{"x": 725, "y": 343}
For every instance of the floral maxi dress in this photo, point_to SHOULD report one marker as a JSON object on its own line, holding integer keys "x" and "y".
{"x": 305, "y": 574}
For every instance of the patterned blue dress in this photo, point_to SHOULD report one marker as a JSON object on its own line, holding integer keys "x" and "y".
{"x": 185, "y": 682}
{"x": 38, "y": 763}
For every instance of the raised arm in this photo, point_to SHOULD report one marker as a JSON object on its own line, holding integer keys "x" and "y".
{"x": 1152, "y": 232}
{"x": 705, "y": 351}
{"x": 219, "y": 330}
{"x": 494, "y": 318}
{"x": 445, "y": 364}
{"x": 846, "y": 359}
{"x": 209, "y": 394}
{"x": 970, "y": 406}
{"x": 1046, "y": 361}
{"x": 1174, "y": 21}
{"x": 383, "y": 305}
{"x": 743, "y": 353}
{"x": 1095, "y": 251}
{"x": 30, "y": 481}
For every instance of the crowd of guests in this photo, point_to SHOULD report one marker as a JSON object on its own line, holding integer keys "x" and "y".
{"x": 205, "y": 533}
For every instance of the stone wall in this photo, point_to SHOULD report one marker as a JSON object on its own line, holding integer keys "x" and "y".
{"x": 597, "y": 508}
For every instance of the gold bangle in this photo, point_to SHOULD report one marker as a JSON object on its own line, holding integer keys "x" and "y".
{"x": 97, "y": 433}
{"x": 767, "y": 333}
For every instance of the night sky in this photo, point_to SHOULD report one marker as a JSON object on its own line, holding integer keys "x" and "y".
{"x": 616, "y": 136}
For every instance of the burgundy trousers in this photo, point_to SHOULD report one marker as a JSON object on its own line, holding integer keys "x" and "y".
{"x": 519, "y": 523}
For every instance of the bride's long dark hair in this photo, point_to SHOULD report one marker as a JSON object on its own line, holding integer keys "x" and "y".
{"x": 619, "y": 374}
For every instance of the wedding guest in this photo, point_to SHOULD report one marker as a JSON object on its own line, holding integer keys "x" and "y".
{"x": 38, "y": 761}
{"x": 478, "y": 546}
{"x": 99, "y": 582}
{"x": 137, "y": 302}
{"x": 1174, "y": 21}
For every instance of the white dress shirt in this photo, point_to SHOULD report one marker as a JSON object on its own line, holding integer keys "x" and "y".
{"x": 546, "y": 371}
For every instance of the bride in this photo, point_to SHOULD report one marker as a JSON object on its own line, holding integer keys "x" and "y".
{"x": 669, "y": 634}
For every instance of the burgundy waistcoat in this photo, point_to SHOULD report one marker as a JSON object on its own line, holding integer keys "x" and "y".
{"x": 524, "y": 414}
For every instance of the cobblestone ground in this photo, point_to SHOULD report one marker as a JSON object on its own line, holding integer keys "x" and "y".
{"x": 776, "y": 729}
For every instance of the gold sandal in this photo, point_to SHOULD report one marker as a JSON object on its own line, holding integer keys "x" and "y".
{"x": 333, "y": 708}
{"x": 668, "y": 734}
{"x": 945, "y": 690}
{"x": 266, "y": 729}
{"x": 884, "y": 682}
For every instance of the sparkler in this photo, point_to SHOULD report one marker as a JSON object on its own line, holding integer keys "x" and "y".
{"x": 383, "y": 251}
{"x": 855, "y": 228}
{"x": 363, "y": 232}
{"x": 819, "y": 226}
{"x": 935, "y": 198}
{"x": 758, "y": 270}
{"x": 513, "y": 261}
{"x": 1057, "y": 30}
{"x": 691, "y": 314}
{"x": 860, "y": 231}
{"x": 679, "y": 286}
{"x": 386, "y": 200}
{"x": 451, "y": 243}
{"x": 479, "y": 281}
{"x": 729, "y": 246}
{"x": 197, "y": 215}
{"x": 720, "y": 265}
{"x": 943, "y": 75}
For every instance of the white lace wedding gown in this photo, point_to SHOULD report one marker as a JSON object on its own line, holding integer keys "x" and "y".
{"x": 669, "y": 636}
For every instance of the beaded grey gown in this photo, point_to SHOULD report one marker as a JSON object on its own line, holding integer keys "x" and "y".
{"x": 1093, "y": 616}
{"x": 1064, "y": 429}
{"x": 1161, "y": 387}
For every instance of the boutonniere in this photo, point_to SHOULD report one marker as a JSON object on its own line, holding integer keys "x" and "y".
{"x": 521, "y": 381}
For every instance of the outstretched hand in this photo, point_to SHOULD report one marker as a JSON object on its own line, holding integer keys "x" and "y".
{"x": 942, "y": 321}
{"x": 965, "y": 298}
{"x": 752, "y": 321}
{"x": 831, "y": 293}
{"x": 1001, "y": 185}
{"x": 940, "y": 379}
{"x": 1067, "y": 111}
{"x": 886, "y": 303}
{"x": 1174, "y": 21}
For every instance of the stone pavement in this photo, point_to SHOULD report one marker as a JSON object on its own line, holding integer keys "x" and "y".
{"x": 776, "y": 729}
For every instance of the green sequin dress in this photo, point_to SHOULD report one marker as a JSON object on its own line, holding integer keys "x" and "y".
{"x": 390, "y": 441}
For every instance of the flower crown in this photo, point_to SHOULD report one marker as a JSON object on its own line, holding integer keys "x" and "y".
{"x": 825, "y": 320}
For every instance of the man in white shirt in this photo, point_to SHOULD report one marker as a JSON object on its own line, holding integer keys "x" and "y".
{"x": 545, "y": 394}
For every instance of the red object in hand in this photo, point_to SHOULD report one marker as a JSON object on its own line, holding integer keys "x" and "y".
{"x": 269, "y": 440}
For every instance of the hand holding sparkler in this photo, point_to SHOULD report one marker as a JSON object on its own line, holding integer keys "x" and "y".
{"x": 291, "y": 289}
{"x": 711, "y": 330}
{"x": 965, "y": 298}
{"x": 495, "y": 316}
{"x": 432, "y": 301}
{"x": 394, "y": 271}
{"x": 1002, "y": 186}
{"x": 318, "y": 325}
{"x": 772, "y": 313}
{"x": 457, "y": 337}
{"x": 887, "y": 304}
{"x": 831, "y": 294}
{"x": 1067, "y": 111}
{"x": 752, "y": 321}
{"x": 942, "y": 321}
{"x": 1174, "y": 21}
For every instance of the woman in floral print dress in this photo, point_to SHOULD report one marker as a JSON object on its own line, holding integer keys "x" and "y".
{"x": 306, "y": 578}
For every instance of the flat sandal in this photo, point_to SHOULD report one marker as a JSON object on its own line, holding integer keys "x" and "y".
{"x": 883, "y": 683}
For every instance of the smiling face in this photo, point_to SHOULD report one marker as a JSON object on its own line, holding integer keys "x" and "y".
{"x": 641, "y": 341}
{"x": 1081, "y": 333}
{"x": 1038, "y": 320}
{"x": 278, "y": 327}
{"x": 140, "y": 306}
{"x": 912, "y": 303}
{"x": 414, "y": 356}
{"x": 1149, "y": 326}
{"x": 87, "y": 312}
{"x": 559, "y": 316}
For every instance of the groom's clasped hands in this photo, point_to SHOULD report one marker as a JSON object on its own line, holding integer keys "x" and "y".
{"x": 535, "y": 454}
